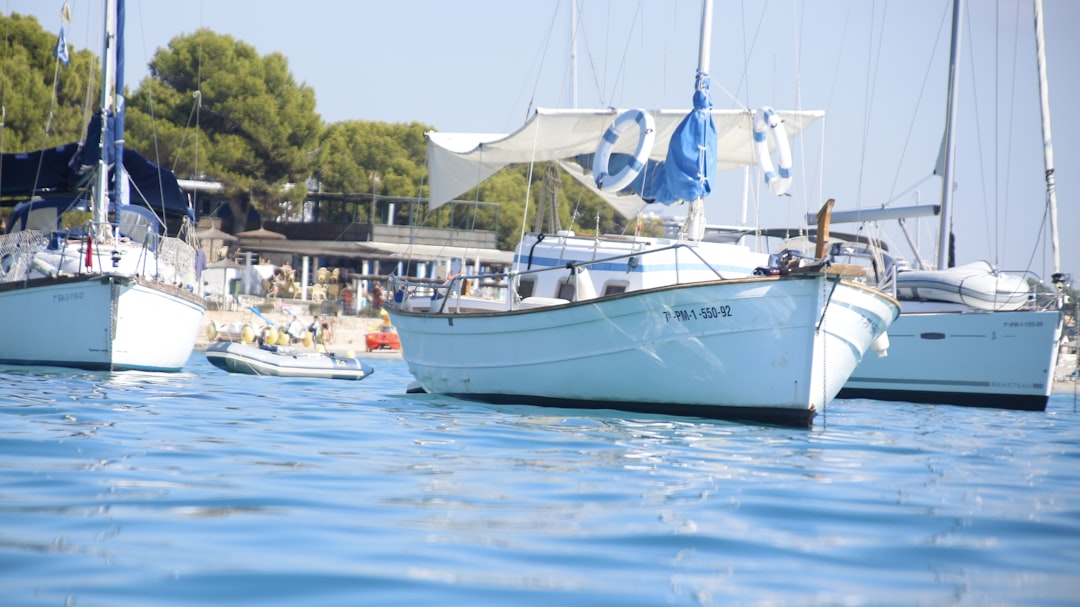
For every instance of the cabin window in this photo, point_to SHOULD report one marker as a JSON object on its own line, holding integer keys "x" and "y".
{"x": 526, "y": 286}
{"x": 566, "y": 290}
{"x": 615, "y": 287}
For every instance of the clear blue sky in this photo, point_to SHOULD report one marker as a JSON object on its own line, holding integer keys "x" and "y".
{"x": 877, "y": 68}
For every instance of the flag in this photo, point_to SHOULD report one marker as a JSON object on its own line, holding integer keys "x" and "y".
{"x": 61, "y": 51}
{"x": 65, "y": 12}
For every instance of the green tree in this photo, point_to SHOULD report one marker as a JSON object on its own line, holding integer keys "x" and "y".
{"x": 361, "y": 156}
{"x": 33, "y": 118}
{"x": 223, "y": 112}
{"x": 579, "y": 209}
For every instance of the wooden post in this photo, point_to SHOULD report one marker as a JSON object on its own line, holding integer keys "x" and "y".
{"x": 823, "y": 216}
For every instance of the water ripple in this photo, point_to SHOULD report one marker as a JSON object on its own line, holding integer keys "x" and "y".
{"x": 208, "y": 488}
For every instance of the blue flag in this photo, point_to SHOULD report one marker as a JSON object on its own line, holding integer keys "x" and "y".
{"x": 61, "y": 51}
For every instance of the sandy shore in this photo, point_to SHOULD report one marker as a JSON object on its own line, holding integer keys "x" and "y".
{"x": 348, "y": 331}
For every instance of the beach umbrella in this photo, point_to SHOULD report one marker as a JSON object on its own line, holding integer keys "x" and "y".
{"x": 261, "y": 233}
{"x": 213, "y": 233}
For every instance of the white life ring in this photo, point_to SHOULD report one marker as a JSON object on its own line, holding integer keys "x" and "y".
{"x": 620, "y": 180}
{"x": 779, "y": 179}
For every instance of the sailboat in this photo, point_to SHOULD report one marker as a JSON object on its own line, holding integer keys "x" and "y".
{"x": 969, "y": 334}
{"x": 96, "y": 281}
{"x": 677, "y": 326}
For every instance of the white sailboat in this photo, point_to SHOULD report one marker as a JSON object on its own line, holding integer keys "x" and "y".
{"x": 665, "y": 325}
{"x": 969, "y": 335}
{"x": 95, "y": 282}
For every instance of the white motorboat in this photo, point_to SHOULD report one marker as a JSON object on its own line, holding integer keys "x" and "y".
{"x": 282, "y": 361}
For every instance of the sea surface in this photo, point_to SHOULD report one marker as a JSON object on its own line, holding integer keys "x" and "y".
{"x": 204, "y": 488}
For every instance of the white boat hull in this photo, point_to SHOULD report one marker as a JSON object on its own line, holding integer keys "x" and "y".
{"x": 99, "y": 322}
{"x": 762, "y": 349}
{"x": 285, "y": 362}
{"x": 990, "y": 359}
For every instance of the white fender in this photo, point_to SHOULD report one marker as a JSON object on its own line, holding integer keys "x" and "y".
{"x": 880, "y": 345}
{"x": 779, "y": 179}
{"x": 620, "y": 180}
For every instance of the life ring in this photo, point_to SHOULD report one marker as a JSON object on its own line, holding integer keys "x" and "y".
{"x": 647, "y": 133}
{"x": 778, "y": 179}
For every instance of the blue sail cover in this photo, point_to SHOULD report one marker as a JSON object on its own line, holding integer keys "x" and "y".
{"x": 65, "y": 170}
{"x": 691, "y": 159}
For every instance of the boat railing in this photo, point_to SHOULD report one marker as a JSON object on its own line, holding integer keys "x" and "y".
{"x": 167, "y": 259}
{"x": 456, "y": 293}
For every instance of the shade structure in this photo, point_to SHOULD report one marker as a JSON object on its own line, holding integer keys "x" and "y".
{"x": 213, "y": 233}
{"x": 260, "y": 234}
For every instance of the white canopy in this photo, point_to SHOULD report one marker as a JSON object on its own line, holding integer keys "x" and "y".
{"x": 457, "y": 162}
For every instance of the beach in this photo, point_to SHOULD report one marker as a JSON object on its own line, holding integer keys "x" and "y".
{"x": 347, "y": 331}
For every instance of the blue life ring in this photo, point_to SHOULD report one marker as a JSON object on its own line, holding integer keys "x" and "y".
{"x": 778, "y": 179}
{"x": 620, "y": 180}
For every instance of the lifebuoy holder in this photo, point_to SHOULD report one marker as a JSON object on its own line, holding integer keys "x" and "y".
{"x": 647, "y": 134}
{"x": 779, "y": 178}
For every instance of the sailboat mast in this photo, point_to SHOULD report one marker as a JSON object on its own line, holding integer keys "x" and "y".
{"x": 705, "y": 42}
{"x": 101, "y": 199}
{"x": 573, "y": 54}
{"x": 119, "y": 107}
{"x": 694, "y": 227}
{"x": 950, "y": 139}
{"x": 1048, "y": 143}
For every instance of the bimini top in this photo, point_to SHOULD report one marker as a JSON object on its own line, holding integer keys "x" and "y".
{"x": 457, "y": 162}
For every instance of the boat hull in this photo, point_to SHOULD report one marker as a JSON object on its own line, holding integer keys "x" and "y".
{"x": 99, "y": 322}
{"x": 251, "y": 360}
{"x": 988, "y": 359}
{"x": 769, "y": 350}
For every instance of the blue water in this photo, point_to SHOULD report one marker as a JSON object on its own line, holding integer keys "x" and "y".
{"x": 204, "y": 488}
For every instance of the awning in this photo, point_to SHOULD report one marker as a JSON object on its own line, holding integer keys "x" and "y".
{"x": 380, "y": 250}
{"x": 457, "y": 162}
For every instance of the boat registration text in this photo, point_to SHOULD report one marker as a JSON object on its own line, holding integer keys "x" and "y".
{"x": 703, "y": 313}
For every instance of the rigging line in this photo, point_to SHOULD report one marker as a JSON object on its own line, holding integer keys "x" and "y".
{"x": 836, "y": 73}
{"x": 626, "y": 50}
{"x": 153, "y": 123}
{"x": 48, "y": 121}
{"x": 540, "y": 68}
{"x": 747, "y": 51}
{"x": 871, "y": 75}
{"x": 911, "y": 126}
{"x": 583, "y": 36}
{"x": 797, "y": 23}
{"x": 198, "y": 111}
{"x": 1003, "y": 221}
{"x": 981, "y": 166}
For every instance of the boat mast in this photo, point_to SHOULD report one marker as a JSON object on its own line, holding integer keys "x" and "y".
{"x": 101, "y": 198}
{"x": 695, "y": 216}
{"x": 573, "y": 54}
{"x": 944, "y": 232}
{"x": 120, "y": 189}
{"x": 1048, "y": 143}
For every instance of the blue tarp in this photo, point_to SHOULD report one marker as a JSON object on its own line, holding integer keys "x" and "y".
{"x": 66, "y": 168}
